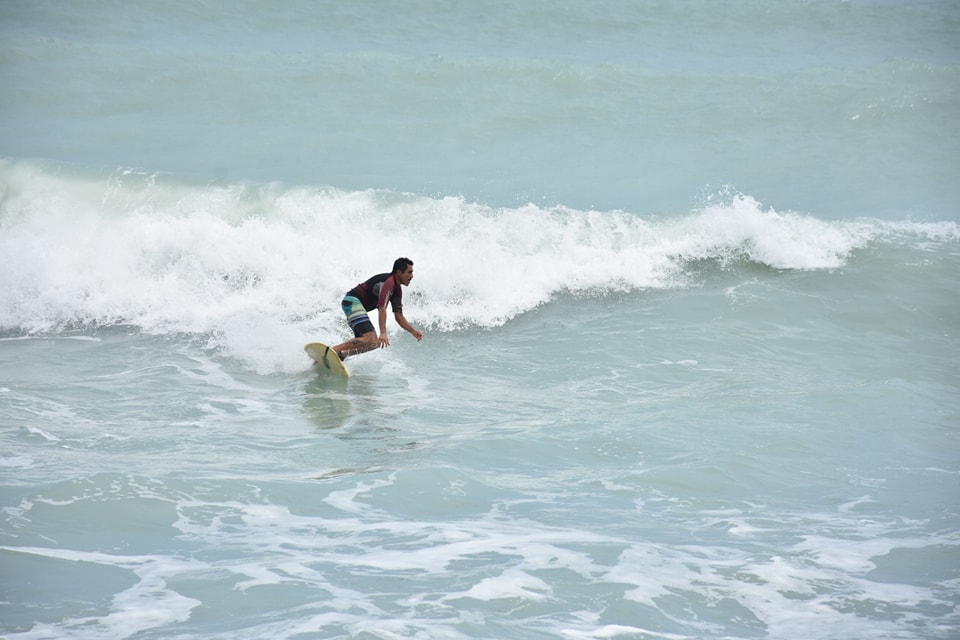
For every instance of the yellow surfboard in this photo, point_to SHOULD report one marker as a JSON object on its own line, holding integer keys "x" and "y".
{"x": 326, "y": 359}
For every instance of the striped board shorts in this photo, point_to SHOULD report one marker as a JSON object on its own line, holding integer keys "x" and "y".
{"x": 357, "y": 316}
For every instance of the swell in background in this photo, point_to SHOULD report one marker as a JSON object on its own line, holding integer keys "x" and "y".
{"x": 840, "y": 108}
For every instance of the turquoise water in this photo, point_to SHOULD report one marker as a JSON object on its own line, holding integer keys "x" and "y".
{"x": 688, "y": 278}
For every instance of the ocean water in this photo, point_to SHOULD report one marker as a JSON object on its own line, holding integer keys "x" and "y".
{"x": 688, "y": 274}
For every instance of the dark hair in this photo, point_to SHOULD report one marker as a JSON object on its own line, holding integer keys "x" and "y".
{"x": 401, "y": 264}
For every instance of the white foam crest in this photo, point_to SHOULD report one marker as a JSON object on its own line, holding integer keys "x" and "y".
{"x": 493, "y": 264}
{"x": 742, "y": 228}
{"x": 261, "y": 268}
{"x": 927, "y": 235}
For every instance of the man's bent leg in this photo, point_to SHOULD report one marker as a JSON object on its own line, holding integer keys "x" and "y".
{"x": 359, "y": 321}
{"x": 356, "y": 346}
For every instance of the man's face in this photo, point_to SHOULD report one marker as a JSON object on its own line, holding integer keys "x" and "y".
{"x": 404, "y": 277}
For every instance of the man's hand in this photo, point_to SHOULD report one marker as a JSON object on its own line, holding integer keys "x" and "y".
{"x": 383, "y": 341}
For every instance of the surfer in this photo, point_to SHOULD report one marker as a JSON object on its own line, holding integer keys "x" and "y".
{"x": 371, "y": 294}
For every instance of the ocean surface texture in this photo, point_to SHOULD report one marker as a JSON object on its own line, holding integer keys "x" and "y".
{"x": 689, "y": 275}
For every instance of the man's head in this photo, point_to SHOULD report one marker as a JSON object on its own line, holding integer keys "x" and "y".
{"x": 403, "y": 270}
